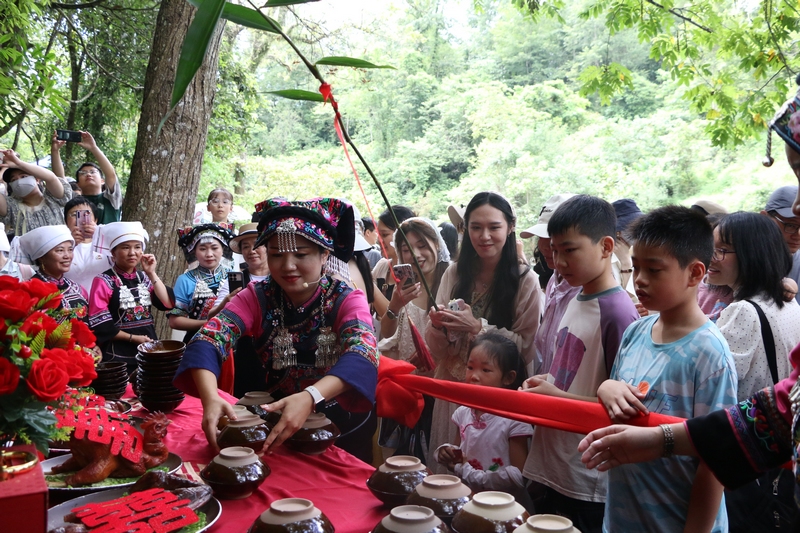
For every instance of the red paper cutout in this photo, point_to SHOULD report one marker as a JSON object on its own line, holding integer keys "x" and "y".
{"x": 97, "y": 426}
{"x": 149, "y": 511}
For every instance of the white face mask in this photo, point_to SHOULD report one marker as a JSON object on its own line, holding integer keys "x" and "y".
{"x": 23, "y": 187}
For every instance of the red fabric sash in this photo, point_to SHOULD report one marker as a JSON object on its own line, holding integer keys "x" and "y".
{"x": 399, "y": 397}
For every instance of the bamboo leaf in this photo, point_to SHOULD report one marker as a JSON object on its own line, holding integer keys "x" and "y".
{"x": 244, "y": 16}
{"x": 195, "y": 45}
{"x": 276, "y": 3}
{"x": 297, "y": 94}
{"x": 341, "y": 61}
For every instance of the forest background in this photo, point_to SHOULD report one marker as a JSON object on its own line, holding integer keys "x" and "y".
{"x": 483, "y": 95}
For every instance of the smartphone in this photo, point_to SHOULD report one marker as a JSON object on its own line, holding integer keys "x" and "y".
{"x": 70, "y": 136}
{"x": 235, "y": 281}
{"x": 456, "y": 305}
{"x": 404, "y": 274}
{"x": 83, "y": 218}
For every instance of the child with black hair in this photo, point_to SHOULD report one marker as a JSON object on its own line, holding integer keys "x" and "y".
{"x": 581, "y": 234}
{"x": 675, "y": 363}
{"x": 490, "y": 450}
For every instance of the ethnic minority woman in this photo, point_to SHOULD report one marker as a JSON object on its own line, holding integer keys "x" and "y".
{"x": 313, "y": 333}
{"x": 196, "y": 289}
{"x": 119, "y": 304}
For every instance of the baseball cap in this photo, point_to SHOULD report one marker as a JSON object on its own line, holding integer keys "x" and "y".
{"x": 540, "y": 228}
{"x": 627, "y": 211}
{"x": 781, "y": 201}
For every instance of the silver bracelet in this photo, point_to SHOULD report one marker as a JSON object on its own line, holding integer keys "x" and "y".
{"x": 669, "y": 440}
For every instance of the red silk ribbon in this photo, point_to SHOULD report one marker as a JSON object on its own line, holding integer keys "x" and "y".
{"x": 399, "y": 396}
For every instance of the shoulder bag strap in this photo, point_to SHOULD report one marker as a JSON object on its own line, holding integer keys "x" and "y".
{"x": 769, "y": 341}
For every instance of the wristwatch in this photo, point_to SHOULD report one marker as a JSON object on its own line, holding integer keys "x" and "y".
{"x": 319, "y": 400}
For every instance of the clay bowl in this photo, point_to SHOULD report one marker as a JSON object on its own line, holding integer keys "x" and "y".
{"x": 249, "y": 431}
{"x": 443, "y": 494}
{"x": 490, "y": 512}
{"x": 235, "y": 473}
{"x": 411, "y": 519}
{"x": 161, "y": 348}
{"x": 111, "y": 367}
{"x": 395, "y": 479}
{"x": 240, "y": 411}
{"x": 292, "y": 515}
{"x": 157, "y": 368}
{"x": 317, "y": 435}
{"x": 254, "y": 400}
{"x": 547, "y": 523}
{"x": 162, "y": 396}
{"x": 164, "y": 406}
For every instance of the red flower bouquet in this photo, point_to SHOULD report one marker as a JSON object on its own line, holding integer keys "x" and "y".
{"x": 39, "y": 360}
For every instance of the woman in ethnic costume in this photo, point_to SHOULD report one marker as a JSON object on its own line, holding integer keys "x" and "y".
{"x": 119, "y": 304}
{"x": 51, "y": 248}
{"x": 196, "y": 289}
{"x": 312, "y": 332}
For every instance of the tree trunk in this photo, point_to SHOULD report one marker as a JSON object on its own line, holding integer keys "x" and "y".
{"x": 165, "y": 172}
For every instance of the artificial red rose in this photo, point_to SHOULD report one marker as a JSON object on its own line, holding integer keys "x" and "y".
{"x": 82, "y": 334}
{"x": 8, "y": 283}
{"x": 39, "y": 289}
{"x": 47, "y": 380}
{"x": 65, "y": 360}
{"x": 36, "y": 322}
{"x": 9, "y": 376}
{"x": 86, "y": 362}
{"x": 15, "y": 305}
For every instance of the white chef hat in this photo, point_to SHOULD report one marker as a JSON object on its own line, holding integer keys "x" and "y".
{"x": 110, "y": 235}
{"x": 37, "y": 242}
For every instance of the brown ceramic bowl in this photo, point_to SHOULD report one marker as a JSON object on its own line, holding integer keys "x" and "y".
{"x": 166, "y": 406}
{"x": 162, "y": 348}
{"x": 490, "y": 512}
{"x": 411, "y": 519}
{"x": 235, "y": 473}
{"x": 547, "y": 523}
{"x": 445, "y": 495}
{"x": 292, "y": 515}
{"x": 240, "y": 411}
{"x": 254, "y": 400}
{"x": 248, "y": 431}
{"x": 317, "y": 435}
{"x": 396, "y": 478}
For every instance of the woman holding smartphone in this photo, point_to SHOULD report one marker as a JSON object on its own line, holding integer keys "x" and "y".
{"x": 486, "y": 290}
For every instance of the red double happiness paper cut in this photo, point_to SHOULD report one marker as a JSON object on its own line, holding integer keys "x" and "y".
{"x": 95, "y": 425}
{"x": 148, "y": 511}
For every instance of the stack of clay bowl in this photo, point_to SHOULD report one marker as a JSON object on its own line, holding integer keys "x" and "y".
{"x": 396, "y": 478}
{"x": 111, "y": 381}
{"x": 158, "y": 361}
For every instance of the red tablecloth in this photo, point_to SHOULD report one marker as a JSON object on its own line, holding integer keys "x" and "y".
{"x": 335, "y": 480}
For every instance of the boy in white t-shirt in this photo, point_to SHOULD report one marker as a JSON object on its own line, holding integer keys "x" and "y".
{"x": 581, "y": 233}
{"x": 676, "y": 363}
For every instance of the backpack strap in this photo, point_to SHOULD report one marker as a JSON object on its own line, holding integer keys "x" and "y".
{"x": 769, "y": 342}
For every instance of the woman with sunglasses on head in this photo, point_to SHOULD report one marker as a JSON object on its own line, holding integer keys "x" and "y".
{"x": 313, "y": 333}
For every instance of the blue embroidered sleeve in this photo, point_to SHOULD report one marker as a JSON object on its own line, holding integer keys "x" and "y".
{"x": 209, "y": 348}
{"x": 359, "y": 338}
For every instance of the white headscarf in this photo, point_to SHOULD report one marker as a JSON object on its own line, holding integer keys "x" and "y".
{"x": 443, "y": 255}
{"x": 4, "y": 245}
{"x": 108, "y": 236}
{"x": 37, "y": 242}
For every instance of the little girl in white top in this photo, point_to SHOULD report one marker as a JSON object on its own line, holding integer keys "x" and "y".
{"x": 490, "y": 451}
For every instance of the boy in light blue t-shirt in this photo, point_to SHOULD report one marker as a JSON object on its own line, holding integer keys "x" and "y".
{"x": 676, "y": 363}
